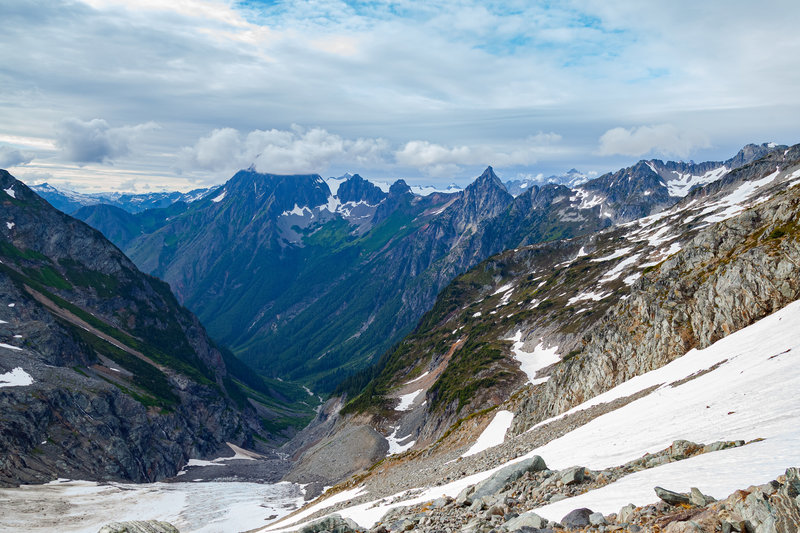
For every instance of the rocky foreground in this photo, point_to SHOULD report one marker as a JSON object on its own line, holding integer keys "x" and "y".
{"x": 502, "y": 503}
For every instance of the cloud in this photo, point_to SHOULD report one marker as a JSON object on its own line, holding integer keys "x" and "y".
{"x": 11, "y": 157}
{"x": 283, "y": 151}
{"x": 663, "y": 139}
{"x": 95, "y": 141}
{"x": 436, "y": 157}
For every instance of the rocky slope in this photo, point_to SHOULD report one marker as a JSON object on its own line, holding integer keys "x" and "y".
{"x": 103, "y": 375}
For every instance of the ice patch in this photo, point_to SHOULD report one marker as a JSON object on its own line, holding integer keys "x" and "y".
{"x": 17, "y": 377}
{"x": 494, "y": 434}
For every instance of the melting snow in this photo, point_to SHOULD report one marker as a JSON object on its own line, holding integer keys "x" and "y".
{"x": 396, "y": 445}
{"x": 595, "y": 296}
{"x": 17, "y": 377}
{"x": 407, "y": 400}
{"x": 219, "y": 198}
{"x": 532, "y": 362}
{"x": 736, "y": 202}
{"x": 615, "y": 272}
{"x": 494, "y": 434}
{"x": 632, "y": 278}
{"x": 504, "y": 288}
{"x": 423, "y": 375}
{"x": 619, "y": 253}
{"x": 10, "y": 347}
{"x": 684, "y": 182}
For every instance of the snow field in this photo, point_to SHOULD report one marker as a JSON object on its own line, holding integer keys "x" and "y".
{"x": 750, "y": 394}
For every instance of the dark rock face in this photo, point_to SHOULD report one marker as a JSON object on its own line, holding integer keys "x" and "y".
{"x": 357, "y": 189}
{"x": 126, "y": 384}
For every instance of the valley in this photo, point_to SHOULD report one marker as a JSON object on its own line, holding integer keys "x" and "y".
{"x": 567, "y": 320}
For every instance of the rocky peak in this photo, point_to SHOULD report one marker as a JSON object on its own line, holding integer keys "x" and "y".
{"x": 751, "y": 152}
{"x": 484, "y": 198}
{"x": 275, "y": 193}
{"x": 399, "y": 188}
{"x": 357, "y": 189}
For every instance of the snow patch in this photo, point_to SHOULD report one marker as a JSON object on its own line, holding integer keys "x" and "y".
{"x": 10, "y": 225}
{"x": 423, "y": 375}
{"x": 10, "y": 192}
{"x": 594, "y": 296}
{"x": 494, "y": 434}
{"x": 17, "y": 377}
{"x": 396, "y": 444}
{"x": 615, "y": 272}
{"x": 617, "y": 254}
{"x": 407, "y": 400}
{"x": 219, "y": 198}
{"x": 533, "y": 362}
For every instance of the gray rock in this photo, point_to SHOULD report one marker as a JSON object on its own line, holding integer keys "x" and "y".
{"x": 577, "y": 519}
{"x": 529, "y": 519}
{"x": 464, "y": 497}
{"x": 139, "y": 526}
{"x": 506, "y": 475}
{"x": 671, "y": 497}
{"x": 572, "y": 475}
{"x": 597, "y": 519}
{"x": 333, "y": 523}
{"x": 681, "y": 449}
{"x": 438, "y": 503}
{"x": 698, "y": 498}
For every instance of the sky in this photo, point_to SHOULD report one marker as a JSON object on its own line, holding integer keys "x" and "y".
{"x": 152, "y": 95}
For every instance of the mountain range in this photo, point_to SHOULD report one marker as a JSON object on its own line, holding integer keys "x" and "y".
{"x": 312, "y": 286}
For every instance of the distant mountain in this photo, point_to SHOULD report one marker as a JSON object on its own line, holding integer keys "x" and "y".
{"x": 112, "y": 378}
{"x": 572, "y": 178}
{"x": 69, "y": 201}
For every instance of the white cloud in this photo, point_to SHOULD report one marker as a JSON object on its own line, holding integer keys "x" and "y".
{"x": 435, "y": 157}
{"x": 11, "y": 157}
{"x": 95, "y": 141}
{"x": 282, "y": 151}
{"x": 663, "y": 139}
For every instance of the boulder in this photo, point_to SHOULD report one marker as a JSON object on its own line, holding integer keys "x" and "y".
{"x": 529, "y": 519}
{"x": 597, "y": 519}
{"x": 671, "y": 497}
{"x": 572, "y": 475}
{"x": 506, "y": 475}
{"x": 333, "y": 523}
{"x": 577, "y": 519}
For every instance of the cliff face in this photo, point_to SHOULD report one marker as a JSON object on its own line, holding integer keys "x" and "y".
{"x": 111, "y": 379}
